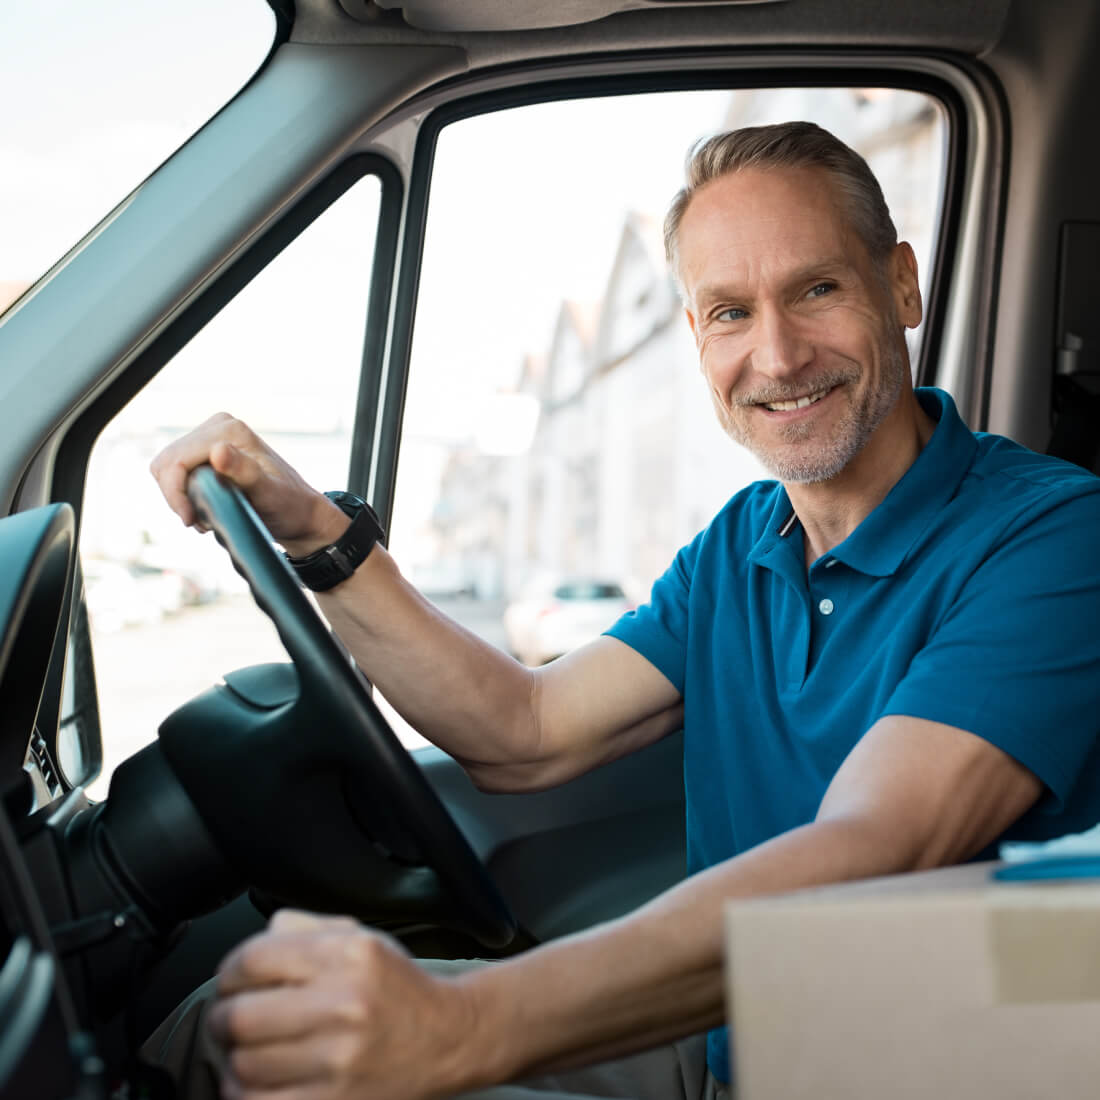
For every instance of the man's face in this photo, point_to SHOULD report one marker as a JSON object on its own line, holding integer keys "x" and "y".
{"x": 800, "y": 336}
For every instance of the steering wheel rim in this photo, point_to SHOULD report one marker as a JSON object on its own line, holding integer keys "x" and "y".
{"x": 328, "y": 737}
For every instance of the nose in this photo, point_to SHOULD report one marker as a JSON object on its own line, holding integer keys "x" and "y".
{"x": 781, "y": 348}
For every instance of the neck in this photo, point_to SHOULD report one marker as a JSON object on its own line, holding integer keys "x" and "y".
{"x": 830, "y": 511}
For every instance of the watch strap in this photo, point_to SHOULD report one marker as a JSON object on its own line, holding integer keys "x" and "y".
{"x": 327, "y": 567}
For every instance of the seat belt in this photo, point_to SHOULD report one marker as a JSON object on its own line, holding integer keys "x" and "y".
{"x": 1076, "y": 397}
{"x": 1076, "y": 436}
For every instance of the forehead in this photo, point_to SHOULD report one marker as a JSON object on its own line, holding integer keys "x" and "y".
{"x": 758, "y": 221}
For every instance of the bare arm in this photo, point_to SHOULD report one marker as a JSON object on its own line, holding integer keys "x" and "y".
{"x": 912, "y": 794}
{"x": 511, "y": 727}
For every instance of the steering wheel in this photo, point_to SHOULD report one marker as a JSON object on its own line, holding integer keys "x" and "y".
{"x": 300, "y": 779}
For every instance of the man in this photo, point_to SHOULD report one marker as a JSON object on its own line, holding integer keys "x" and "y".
{"x": 881, "y": 663}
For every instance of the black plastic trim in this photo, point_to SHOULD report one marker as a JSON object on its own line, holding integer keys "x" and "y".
{"x": 1000, "y": 138}
{"x": 36, "y": 551}
{"x": 284, "y": 19}
{"x": 377, "y": 326}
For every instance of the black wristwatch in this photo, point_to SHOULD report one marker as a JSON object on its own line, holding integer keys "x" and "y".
{"x": 327, "y": 567}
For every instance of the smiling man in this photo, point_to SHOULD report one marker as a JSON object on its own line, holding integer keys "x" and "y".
{"x": 799, "y": 318}
{"x": 884, "y": 660}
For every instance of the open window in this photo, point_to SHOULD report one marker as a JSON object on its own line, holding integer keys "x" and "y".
{"x": 294, "y": 355}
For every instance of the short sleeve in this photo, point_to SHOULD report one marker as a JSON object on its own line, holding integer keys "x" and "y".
{"x": 1016, "y": 659}
{"x": 658, "y": 629}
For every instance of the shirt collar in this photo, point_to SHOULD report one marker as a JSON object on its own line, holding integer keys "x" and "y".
{"x": 779, "y": 546}
{"x": 881, "y": 542}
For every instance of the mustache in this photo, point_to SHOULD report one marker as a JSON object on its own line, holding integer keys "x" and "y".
{"x": 791, "y": 391}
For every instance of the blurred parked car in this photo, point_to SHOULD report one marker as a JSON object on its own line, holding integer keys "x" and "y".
{"x": 121, "y": 595}
{"x": 199, "y": 579}
{"x": 551, "y": 619}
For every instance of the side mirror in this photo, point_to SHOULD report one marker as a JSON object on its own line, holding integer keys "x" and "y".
{"x": 79, "y": 739}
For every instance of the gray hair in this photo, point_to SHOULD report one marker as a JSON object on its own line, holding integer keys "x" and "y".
{"x": 788, "y": 145}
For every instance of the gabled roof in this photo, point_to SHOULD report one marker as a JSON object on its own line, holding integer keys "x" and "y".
{"x": 640, "y": 297}
{"x": 570, "y": 357}
{"x": 583, "y": 316}
{"x": 532, "y": 373}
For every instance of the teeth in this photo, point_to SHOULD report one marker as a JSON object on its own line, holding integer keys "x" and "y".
{"x": 799, "y": 403}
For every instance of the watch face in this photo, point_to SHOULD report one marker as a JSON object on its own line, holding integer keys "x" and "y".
{"x": 348, "y": 503}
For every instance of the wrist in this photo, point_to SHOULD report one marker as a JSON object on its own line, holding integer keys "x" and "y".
{"x": 487, "y": 1054}
{"x": 327, "y": 523}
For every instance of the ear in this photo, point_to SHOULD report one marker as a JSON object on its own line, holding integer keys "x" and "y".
{"x": 691, "y": 324}
{"x": 904, "y": 286}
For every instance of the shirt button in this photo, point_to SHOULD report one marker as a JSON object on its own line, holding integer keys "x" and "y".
{"x": 825, "y": 607}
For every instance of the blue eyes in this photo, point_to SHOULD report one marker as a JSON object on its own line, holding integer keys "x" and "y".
{"x": 735, "y": 313}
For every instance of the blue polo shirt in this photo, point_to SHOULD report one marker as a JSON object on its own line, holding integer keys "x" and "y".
{"x": 969, "y": 596}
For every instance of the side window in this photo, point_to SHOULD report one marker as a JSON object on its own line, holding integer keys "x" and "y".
{"x": 168, "y": 614}
{"x": 559, "y": 445}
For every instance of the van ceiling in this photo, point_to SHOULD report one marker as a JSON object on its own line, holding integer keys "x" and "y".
{"x": 501, "y": 31}
{"x": 512, "y": 15}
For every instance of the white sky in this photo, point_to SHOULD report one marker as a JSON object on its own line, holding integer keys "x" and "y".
{"x": 95, "y": 96}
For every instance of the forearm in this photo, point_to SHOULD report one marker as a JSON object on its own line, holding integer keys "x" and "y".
{"x": 475, "y": 702}
{"x": 463, "y": 694}
{"x": 653, "y": 976}
{"x": 512, "y": 728}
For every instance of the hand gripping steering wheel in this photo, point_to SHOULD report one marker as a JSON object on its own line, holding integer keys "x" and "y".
{"x": 299, "y": 778}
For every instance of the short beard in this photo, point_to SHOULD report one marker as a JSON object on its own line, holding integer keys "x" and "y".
{"x": 810, "y": 465}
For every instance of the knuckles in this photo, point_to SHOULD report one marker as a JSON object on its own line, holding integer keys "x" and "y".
{"x": 252, "y": 962}
{"x": 232, "y": 1024}
{"x": 193, "y": 448}
{"x": 237, "y": 432}
{"x": 345, "y": 1055}
{"x": 371, "y": 954}
{"x": 353, "y": 1009}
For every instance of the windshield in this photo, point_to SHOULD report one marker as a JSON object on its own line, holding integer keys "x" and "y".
{"x": 95, "y": 97}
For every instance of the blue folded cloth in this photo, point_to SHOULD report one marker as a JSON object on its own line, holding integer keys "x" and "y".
{"x": 1076, "y": 855}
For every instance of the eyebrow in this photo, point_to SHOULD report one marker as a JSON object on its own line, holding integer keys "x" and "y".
{"x": 717, "y": 292}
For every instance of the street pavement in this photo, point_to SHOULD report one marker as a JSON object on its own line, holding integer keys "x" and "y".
{"x": 145, "y": 672}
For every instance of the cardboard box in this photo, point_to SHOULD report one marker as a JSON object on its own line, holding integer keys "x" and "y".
{"x": 938, "y": 984}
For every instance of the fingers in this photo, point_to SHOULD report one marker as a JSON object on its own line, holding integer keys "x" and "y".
{"x": 172, "y": 479}
{"x": 298, "y": 920}
{"x": 173, "y": 465}
{"x": 320, "y": 1007}
{"x": 232, "y": 1089}
{"x": 292, "y": 1012}
{"x": 283, "y": 1013}
{"x": 295, "y": 1062}
{"x": 257, "y": 1017}
{"x": 237, "y": 465}
{"x": 284, "y": 501}
{"x": 295, "y": 947}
